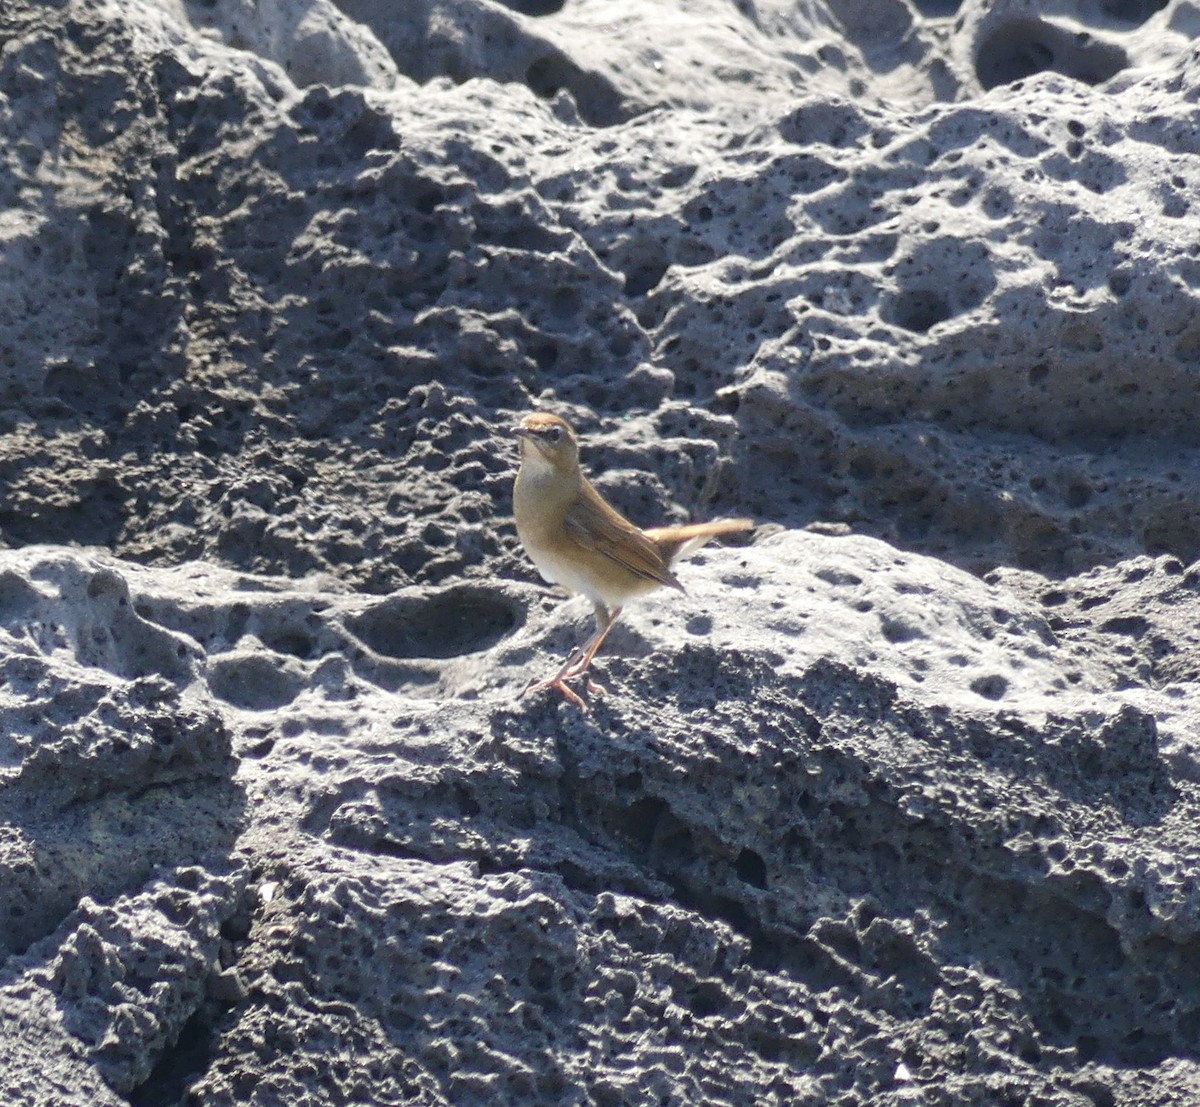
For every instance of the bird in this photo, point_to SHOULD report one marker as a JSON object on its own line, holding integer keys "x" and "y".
{"x": 578, "y": 540}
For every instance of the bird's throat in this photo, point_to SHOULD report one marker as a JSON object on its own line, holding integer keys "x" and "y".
{"x": 542, "y": 495}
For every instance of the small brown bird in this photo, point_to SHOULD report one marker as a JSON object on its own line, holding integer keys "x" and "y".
{"x": 580, "y": 541}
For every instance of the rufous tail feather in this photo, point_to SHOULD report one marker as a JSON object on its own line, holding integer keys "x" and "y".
{"x": 676, "y": 542}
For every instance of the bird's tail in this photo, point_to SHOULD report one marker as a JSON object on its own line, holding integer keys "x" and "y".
{"x": 676, "y": 542}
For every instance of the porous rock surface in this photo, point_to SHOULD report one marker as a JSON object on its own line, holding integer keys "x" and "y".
{"x": 899, "y": 804}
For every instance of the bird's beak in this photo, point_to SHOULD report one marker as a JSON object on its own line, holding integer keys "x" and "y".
{"x": 522, "y": 432}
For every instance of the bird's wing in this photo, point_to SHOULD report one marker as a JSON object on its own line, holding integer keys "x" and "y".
{"x": 597, "y": 526}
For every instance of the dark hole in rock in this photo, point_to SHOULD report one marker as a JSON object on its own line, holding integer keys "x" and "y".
{"x": 1077, "y": 495}
{"x": 642, "y": 278}
{"x": 291, "y": 640}
{"x": 255, "y": 682}
{"x": 990, "y": 687}
{"x": 899, "y": 630}
{"x": 936, "y": 9}
{"x": 547, "y": 75}
{"x": 1132, "y": 11}
{"x": 599, "y": 103}
{"x": 545, "y": 355}
{"x": 17, "y": 597}
{"x": 178, "y": 1066}
{"x": 918, "y": 310}
{"x": 372, "y": 131}
{"x": 642, "y": 819}
{"x": 1133, "y": 625}
{"x": 565, "y": 303}
{"x": 751, "y": 868}
{"x": 467, "y": 803}
{"x": 162, "y": 732}
{"x": 459, "y": 621}
{"x": 541, "y": 975}
{"x": 707, "y": 998}
{"x": 1024, "y": 47}
{"x": 105, "y": 583}
{"x": 534, "y": 7}
{"x": 665, "y": 841}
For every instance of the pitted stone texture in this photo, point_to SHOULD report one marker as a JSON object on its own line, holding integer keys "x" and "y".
{"x": 964, "y": 327}
{"x": 804, "y": 882}
{"x": 852, "y": 826}
{"x": 128, "y": 977}
{"x": 607, "y": 62}
{"x": 915, "y": 344}
{"x": 314, "y": 43}
{"x": 770, "y": 866}
{"x": 90, "y": 1009}
{"x": 1091, "y": 42}
{"x": 114, "y": 770}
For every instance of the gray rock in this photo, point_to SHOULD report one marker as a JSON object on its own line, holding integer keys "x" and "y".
{"x": 897, "y": 804}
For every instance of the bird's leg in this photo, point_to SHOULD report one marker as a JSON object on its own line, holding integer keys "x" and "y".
{"x": 577, "y": 653}
{"x": 604, "y": 623}
{"x": 572, "y": 667}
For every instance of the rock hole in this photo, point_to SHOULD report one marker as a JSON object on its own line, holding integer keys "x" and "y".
{"x": 1027, "y": 46}
{"x": 918, "y": 310}
{"x": 1132, "y": 11}
{"x": 236, "y": 620}
{"x": 936, "y": 9}
{"x": 642, "y": 818}
{"x": 459, "y": 621}
{"x": 706, "y": 999}
{"x": 17, "y": 597}
{"x": 990, "y": 687}
{"x": 179, "y": 1065}
{"x": 1133, "y": 625}
{"x": 541, "y": 975}
{"x": 899, "y": 630}
{"x": 751, "y": 868}
{"x": 565, "y": 303}
{"x": 467, "y": 804}
{"x": 1077, "y": 495}
{"x": 534, "y": 8}
{"x": 106, "y": 583}
{"x": 291, "y": 640}
{"x": 640, "y": 279}
{"x": 253, "y": 682}
{"x": 599, "y": 103}
{"x": 545, "y": 355}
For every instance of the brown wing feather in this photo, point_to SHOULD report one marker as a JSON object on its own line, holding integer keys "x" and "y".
{"x": 597, "y": 526}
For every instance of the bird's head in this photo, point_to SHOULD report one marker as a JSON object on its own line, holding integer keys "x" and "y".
{"x": 547, "y": 440}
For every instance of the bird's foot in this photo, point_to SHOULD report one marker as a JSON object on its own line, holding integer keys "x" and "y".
{"x": 559, "y": 681}
{"x": 576, "y": 666}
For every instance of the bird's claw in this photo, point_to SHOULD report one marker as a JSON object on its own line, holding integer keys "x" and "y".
{"x": 561, "y": 684}
{"x": 559, "y": 681}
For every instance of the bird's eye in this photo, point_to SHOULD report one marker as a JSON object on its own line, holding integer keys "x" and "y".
{"x": 554, "y": 434}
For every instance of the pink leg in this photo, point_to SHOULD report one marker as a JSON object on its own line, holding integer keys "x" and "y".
{"x": 574, "y": 668}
